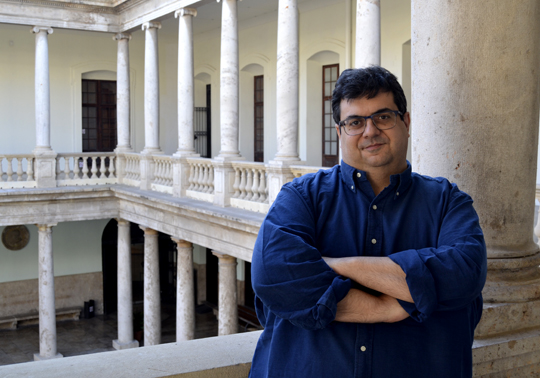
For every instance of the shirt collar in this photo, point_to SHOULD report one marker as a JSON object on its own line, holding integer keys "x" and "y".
{"x": 400, "y": 182}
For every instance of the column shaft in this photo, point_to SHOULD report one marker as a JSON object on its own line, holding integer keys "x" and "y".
{"x": 368, "y": 33}
{"x": 185, "y": 292}
{"x": 125, "y": 297}
{"x": 152, "y": 297}
{"x": 229, "y": 80}
{"x": 287, "y": 81}
{"x": 47, "y": 307}
{"x": 186, "y": 102}
{"x": 227, "y": 302}
{"x": 123, "y": 92}
{"x": 42, "y": 89}
{"x": 151, "y": 88}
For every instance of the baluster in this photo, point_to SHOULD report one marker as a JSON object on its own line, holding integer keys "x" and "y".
{"x": 191, "y": 177}
{"x": 66, "y": 168}
{"x": 103, "y": 168}
{"x": 236, "y": 185}
{"x": 77, "y": 167}
{"x": 255, "y": 186}
{"x": 129, "y": 168}
{"x": 170, "y": 174}
{"x": 205, "y": 180}
{"x": 249, "y": 184}
{"x": 262, "y": 186}
{"x": 84, "y": 168}
{"x": 157, "y": 171}
{"x": 211, "y": 180}
{"x": 94, "y": 167}
{"x": 29, "y": 169}
{"x": 19, "y": 169}
{"x": 9, "y": 169}
{"x": 112, "y": 169}
{"x": 198, "y": 185}
{"x": 242, "y": 186}
{"x": 58, "y": 171}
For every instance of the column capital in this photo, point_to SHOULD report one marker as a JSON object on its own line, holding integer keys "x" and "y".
{"x": 37, "y": 29}
{"x": 122, "y": 222}
{"x": 185, "y": 12}
{"x": 151, "y": 25}
{"x": 224, "y": 258}
{"x": 147, "y": 230}
{"x": 46, "y": 226}
{"x": 181, "y": 242}
{"x": 120, "y": 36}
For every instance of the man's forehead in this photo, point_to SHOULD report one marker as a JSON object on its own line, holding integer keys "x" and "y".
{"x": 381, "y": 98}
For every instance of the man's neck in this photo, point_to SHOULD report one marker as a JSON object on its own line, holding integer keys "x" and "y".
{"x": 380, "y": 179}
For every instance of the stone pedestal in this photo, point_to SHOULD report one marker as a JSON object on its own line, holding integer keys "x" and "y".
{"x": 227, "y": 302}
{"x": 368, "y": 33}
{"x": 279, "y": 173}
{"x": 229, "y": 84}
{"x": 223, "y": 181}
{"x": 125, "y": 297}
{"x": 287, "y": 102}
{"x": 152, "y": 297}
{"x": 151, "y": 88}
{"x": 148, "y": 167}
{"x": 47, "y": 307}
{"x": 185, "y": 292}
{"x": 465, "y": 87}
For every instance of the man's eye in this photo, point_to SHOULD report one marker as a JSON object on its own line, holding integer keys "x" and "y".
{"x": 355, "y": 123}
{"x": 383, "y": 117}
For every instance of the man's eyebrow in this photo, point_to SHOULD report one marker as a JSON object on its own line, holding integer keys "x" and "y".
{"x": 378, "y": 111}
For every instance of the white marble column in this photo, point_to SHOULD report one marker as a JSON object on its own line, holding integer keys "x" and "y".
{"x": 152, "y": 297}
{"x": 185, "y": 292}
{"x": 47, "y": 307}
{"x": 151, "y": 88}
{"x": 125, "y": 298}
{"x": 368, "y": 33}
{"x": 475, "y": 110}
{"x": 42, "y": 89}
{"x": 229, "y": 86}
{"x": 287, "y": 81}
{"x": 186, "y": 101}
{"x": 227, "y": 302}
{"x": 123, "y": 93}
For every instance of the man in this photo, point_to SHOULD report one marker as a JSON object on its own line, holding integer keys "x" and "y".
{"x": 368, "y": 269}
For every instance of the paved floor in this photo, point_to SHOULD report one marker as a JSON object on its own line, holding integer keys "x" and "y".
{"x": 87, "y": 336}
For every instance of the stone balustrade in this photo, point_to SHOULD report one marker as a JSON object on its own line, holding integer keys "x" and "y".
{"x": 201, "y": 179}
{"x": 17, "y": 171}
{"x": 132, "y": 176}
{"x": 300, "y": 170}
{"x": 163, "y": 175}
{"x": 96, "y": 168}
{"x": 250, "y": 186}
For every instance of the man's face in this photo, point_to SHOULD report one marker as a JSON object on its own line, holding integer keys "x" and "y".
{"x": 381, "y": 151}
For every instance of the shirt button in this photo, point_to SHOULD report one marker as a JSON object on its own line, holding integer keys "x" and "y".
{"x": 363, "y": 348}
{"x": 374, "y": 241}
{"x": 397, "y": 193}
{"x": 352, "y": 187}
{"x": 374, "y": 207}
{"x": 358, "y": 174}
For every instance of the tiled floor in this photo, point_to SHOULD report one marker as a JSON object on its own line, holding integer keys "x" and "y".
{"x": 86, "y": 336}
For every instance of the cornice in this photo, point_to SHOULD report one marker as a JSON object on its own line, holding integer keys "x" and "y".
{"x": 115, "y": 7}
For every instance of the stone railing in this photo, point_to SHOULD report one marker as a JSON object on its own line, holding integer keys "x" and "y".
{"x": 300, "y": 170}
{"x": 132, "y": 171}
{"x": 163, "y": 174}
{"x": 17, "y": 171}
{"x": 250, "y": 187}
{"x": 201, "y": 179}
{"x": 89, "y": 168}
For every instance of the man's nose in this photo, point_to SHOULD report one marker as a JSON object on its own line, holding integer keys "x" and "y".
{"x": 371, "y": 129}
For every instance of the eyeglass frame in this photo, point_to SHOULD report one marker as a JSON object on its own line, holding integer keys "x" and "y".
{"x": 396, "y": 112}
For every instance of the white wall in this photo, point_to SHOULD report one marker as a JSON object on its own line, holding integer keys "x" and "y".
{"x": 76, "y": 250}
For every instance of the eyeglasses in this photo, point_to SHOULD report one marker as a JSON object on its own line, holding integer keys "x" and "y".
{"x": 382, "y": 121}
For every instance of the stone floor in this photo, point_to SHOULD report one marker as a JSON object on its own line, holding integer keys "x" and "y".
{"x": 93, "y": 335}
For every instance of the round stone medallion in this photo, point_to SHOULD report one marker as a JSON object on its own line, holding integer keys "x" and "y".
{"x": 15, "y": 237}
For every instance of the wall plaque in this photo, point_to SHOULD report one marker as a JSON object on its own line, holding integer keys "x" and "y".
{"x": 15, "y": 237}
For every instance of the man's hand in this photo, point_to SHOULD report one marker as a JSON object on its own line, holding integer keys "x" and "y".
{"x": 377, "y": 273}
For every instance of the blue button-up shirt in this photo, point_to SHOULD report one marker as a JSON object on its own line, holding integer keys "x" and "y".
{"x": 425, "y": 225}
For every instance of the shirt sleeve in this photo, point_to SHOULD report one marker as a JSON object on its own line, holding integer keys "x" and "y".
{"x": 288, "y": 273}
{"x": 453, "y": 274}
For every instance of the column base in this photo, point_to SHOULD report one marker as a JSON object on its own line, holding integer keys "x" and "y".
{"x": 121, "y": 346}
{"x": 39, "y": 357}
{"x": 512, "y": 355}
{"x": 504, "y": 318}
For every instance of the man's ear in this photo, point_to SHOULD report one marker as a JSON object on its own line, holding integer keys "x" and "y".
{"x": 338, "y": 134}
{"x": 407, "y": 122}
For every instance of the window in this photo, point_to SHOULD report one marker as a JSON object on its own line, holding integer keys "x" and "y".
{"x": 98, "y": 115}
{"x": 259, "y": 118}
{"x": 330, "y": 155}
{"x": 203, "y": 127}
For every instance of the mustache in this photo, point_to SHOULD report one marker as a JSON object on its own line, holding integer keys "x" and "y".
{"x": 372, "y": 142}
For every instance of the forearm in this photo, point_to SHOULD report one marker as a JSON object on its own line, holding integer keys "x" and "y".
{"x": 377, "y": 273}
{"x": 360, "y": 307}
